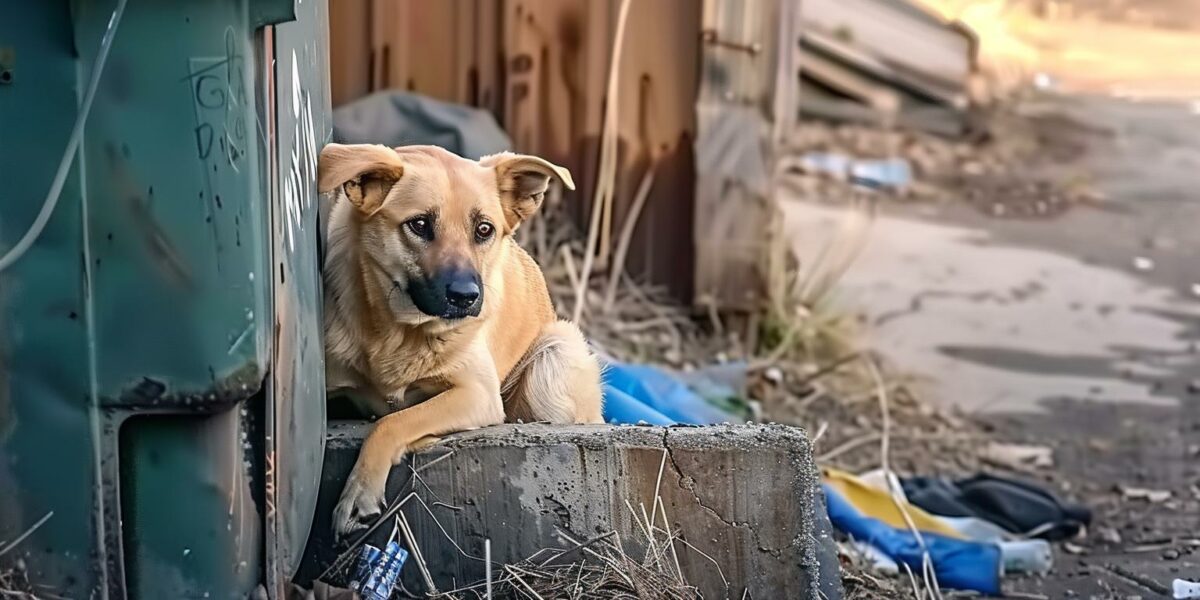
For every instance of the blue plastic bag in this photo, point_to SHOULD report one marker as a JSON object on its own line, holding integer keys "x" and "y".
{"x": 959, "y": 564}
{"x": 642, "y": 393}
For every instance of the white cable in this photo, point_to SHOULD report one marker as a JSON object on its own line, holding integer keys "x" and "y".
{"x": 60, "y": 177}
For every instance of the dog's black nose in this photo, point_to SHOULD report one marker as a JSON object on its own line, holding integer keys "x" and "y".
{"x": 462, "y": 292}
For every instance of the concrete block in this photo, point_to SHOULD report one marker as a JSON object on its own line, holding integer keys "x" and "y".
{"x": 746, "y": 495}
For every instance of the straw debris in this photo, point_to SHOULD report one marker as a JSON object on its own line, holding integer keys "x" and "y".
{"x": 15, "y": 585}
{"x": 596, "y": 568}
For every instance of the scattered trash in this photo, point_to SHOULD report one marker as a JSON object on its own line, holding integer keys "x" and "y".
{"x": 885, "y": 481}
{"x": 1010, "y": 176}
{"x": 1017, "y": 555}
{"x": 1193, "y": 386}
{"x": 722, "y": 385}
{"x": 1151, "y": 496}
{"x": 834, "y": 165}
{"x": 879, "y": 504}
{"x": 1026, "y": 556}
{"x": 1109, "y": 535}
{"x": 378, "y": 571}
{"x": 958, "y": 563}
{"x": 1043, "y": 81}
{"x": 773, "y": 375}
{"x": 1142, "y": 263}
{"x": 892, "y": 173}
{"x": 653, "y": 395}
{"x": 1019, "y": 457}
{"x": 1186, "y": 590}
{"x": 1018, "y": 507}
{"x": 1075, "y": 549}
{"x": 1196, "y": 289}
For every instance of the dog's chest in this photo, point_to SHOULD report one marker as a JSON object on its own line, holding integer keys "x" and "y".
{"x": 398, "y": 360}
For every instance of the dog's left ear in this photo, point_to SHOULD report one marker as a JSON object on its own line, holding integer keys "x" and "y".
{"x": 523, "y": 182}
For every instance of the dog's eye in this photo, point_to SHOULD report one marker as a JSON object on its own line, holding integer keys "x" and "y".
{"x": 420, "y": 226}
{"x": 484, "y": 231}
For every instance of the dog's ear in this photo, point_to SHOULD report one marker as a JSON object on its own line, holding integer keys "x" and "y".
{"x": 365, "y": 171}
{"x": 523, "y": 182}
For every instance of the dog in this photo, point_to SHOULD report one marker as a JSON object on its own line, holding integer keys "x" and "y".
{"x": 435, "y": 318}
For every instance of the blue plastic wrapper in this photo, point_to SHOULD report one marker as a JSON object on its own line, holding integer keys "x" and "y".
{"x": 645, "y": 393}
{"x": 368, "y": 557}
{"x": 385, "y": 574}
{"x": 377, "y": 571}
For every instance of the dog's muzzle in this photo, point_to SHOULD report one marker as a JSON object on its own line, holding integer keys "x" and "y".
{"x": 452, "y": 294}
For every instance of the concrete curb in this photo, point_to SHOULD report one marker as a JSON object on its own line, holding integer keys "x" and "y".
{"x": 746, "y": 495}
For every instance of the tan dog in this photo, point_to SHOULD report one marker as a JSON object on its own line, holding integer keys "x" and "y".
{"x": 426, "y": 291}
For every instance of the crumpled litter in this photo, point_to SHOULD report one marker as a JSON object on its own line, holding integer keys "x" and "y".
{"x": 1185, "y": 590}
{"x": 1021, "y": 508}
{"x": 966, "y": 552}
{"x": 958, "y": 563}
{"x": 657, "y": 396}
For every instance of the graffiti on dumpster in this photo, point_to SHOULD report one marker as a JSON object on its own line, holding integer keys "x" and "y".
{"x": 218, "y": 89}
{"x": 299, "y": 186}
{"x": 221, "y": 107}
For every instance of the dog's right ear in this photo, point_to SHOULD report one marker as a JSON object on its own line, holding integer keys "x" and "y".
{"x": 365, "y": 171}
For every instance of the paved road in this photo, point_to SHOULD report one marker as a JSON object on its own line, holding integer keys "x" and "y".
{"x": 1079, "y": 331}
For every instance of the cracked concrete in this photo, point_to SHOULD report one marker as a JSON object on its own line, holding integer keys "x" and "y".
{"x": 688, "y": 483}
{"x": 746, "y": 495}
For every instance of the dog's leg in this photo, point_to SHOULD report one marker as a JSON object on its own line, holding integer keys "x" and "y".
{"x": 473, "y": 400}
{"x": 558, "y": 379}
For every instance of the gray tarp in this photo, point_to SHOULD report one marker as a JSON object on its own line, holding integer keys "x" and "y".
{"x": 394, "y": 118}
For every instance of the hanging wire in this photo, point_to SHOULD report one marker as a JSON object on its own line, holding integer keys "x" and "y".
{"x": 64, "y": 166}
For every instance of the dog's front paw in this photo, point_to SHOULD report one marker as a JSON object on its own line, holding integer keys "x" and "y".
{"x": 362, "y": 498}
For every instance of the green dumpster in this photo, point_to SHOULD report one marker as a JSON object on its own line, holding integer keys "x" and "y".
{"x": 161, "y": 366}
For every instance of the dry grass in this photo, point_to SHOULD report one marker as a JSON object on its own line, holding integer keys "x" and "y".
{"x": 14, "y": 580}
{"x": 632, "y": 321}
{"x": 624, "y": 319}
{"x": 599, "y": 568}
{"x": 14, "y": 584}
{"x": 858, "y": 583}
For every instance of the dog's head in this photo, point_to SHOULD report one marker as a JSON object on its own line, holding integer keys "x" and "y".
{"x": 433, "y": 225}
